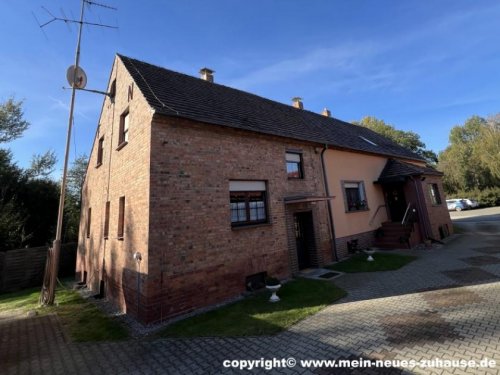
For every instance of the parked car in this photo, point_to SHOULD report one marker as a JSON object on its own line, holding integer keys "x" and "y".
{"x": 456, "y": 204}
{"x": 472, "y": 203}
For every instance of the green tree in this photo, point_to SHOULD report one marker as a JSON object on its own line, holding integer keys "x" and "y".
{"x": 28, "y": 198}
{"x": 470, "y": 161}
{"x": 408, "y": 139}
{"x": 76, "y": 176}
{"x": 12, "y": 123}
{"x": 490, "y": 145}
{"x": 42, "y": 165}
{"x": 11, "y": 220}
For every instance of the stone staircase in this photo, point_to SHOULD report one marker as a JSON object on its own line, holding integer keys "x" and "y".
{"x": 394, "y": 235}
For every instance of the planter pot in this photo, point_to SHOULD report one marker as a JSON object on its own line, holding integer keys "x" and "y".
{"x": 369, "y": 252}
{"x": 273, "y": 289}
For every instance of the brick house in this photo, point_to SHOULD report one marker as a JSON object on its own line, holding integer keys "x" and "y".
{"x": 194, "y": 191}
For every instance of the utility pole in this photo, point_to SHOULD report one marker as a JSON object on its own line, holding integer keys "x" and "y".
{"x": 52, "y": 265}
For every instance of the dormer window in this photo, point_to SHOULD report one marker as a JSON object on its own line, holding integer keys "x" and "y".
{"x": 294, "y": 168}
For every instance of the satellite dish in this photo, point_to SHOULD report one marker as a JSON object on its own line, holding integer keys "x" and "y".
{"x": 76, "y": 77}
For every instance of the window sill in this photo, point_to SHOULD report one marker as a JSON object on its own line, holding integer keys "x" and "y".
{"x": 250, "y": 226}
{"x": 296, "y": 178}
{"x": 121, "y": 145}
{"x": 120, "y": 238}
{"x": 98, "y": 165}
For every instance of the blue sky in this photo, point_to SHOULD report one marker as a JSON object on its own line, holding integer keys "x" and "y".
{"x": 423, "y": 66}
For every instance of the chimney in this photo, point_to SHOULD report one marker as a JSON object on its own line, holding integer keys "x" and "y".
{"x": 297, "y": 102}
{"x": 207, "y": 74}
{"x": 326, "y": 112}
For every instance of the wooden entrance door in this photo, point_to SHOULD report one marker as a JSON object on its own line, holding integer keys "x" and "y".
{"x": 396, "y": 201}
{"x": 304, "y": 238}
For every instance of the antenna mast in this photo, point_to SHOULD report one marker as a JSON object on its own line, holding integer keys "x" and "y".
{"x": 52, "y": 265}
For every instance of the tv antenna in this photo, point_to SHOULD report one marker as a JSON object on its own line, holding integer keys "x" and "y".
{"x": 77, "y": 80}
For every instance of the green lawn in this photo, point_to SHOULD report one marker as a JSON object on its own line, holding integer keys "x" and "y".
{"x": 382, "y": 262}
{"x": 83, "y": 320}
{"x": 25, "y": 300}
{"x": 255, "y": 315}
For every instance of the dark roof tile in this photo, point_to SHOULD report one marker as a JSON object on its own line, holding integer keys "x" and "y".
{"x": 395, "y": 169}
{"x": 175, "y": 94}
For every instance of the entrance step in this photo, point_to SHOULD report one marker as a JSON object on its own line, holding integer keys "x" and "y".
{"x": 393, "y": 236}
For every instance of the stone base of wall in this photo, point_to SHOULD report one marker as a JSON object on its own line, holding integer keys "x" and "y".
{"x": 365, "y": 240}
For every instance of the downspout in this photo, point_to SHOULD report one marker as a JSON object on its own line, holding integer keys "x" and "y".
{"x": 420, "y": 210}
{"x": 330, "y": 215}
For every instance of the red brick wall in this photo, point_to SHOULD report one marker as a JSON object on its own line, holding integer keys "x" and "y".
{"x": 123, "y": 172}
{"x": 196, "y": 258}
{"x": 438, "y": 214}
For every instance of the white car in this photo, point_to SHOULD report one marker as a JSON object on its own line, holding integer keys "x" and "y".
{"x": 456, "y": 205}
{"x": 472, "y": 203}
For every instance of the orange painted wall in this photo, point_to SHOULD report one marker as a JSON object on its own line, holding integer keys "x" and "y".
{"x": 351, "y": 166}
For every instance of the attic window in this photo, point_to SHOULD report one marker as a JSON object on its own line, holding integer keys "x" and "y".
{"x": 367, "y": 140}
{"x": 112, "y": 90}
{"x": 131, "y": 92}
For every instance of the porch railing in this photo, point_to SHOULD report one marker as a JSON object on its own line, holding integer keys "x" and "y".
{"x": 375, "y": 214}
{"x": 409, "y": 217}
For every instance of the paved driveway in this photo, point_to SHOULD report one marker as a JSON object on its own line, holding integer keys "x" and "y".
{"x": 445, "y": 305}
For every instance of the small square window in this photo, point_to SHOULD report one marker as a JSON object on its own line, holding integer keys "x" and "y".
{"x": 354, "y": 196}
{"x": 294, "y": 168}
{"x": 434, "y": 193}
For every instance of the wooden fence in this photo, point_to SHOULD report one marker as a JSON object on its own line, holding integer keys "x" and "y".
{"x": 23, "y": 268}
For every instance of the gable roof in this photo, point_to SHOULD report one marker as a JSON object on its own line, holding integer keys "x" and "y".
{"x": 176, "y": 94}
{"x": 395, "y": 170}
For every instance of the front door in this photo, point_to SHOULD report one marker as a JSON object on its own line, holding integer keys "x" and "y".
{"x": 396, "y": 201}
{"x": 304, "y": 237}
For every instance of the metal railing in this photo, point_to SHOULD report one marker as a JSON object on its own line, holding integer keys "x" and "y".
{"x": 375, "y": 214}
{"x": 409, "y": 217}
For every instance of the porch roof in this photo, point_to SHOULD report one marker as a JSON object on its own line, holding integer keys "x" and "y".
{"x": 398, "y": 171}
{"x": 306, "y": 199}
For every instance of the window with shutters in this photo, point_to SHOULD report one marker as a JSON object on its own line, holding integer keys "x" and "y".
{"x": 294, "y": 168}
{"x": 247, "y": 202}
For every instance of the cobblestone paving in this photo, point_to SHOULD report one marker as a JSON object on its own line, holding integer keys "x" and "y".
{"x": 426, "y": 310}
